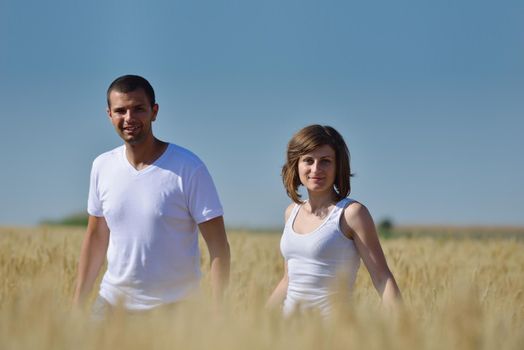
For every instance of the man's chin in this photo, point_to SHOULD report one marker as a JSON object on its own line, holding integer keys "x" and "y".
{"x": 133, "y": 140}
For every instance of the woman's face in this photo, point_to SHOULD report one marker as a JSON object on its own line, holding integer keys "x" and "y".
{"x": 317, "y": 169}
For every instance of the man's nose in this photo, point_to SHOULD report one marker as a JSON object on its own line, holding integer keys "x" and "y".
{"x": 129, "y": 114}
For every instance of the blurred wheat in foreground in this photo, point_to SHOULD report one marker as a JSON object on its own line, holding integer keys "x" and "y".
{"x": 459, "y": 294}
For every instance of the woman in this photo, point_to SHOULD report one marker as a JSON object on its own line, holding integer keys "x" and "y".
{"x": 326, "y": 235}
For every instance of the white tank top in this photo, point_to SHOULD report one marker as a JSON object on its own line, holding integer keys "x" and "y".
{"x": 318, "y": 262}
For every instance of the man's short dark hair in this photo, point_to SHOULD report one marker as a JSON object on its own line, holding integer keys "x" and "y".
{"x": 129, "y": 83}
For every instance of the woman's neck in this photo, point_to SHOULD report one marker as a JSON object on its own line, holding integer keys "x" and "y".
{"x": 318, "y": 202}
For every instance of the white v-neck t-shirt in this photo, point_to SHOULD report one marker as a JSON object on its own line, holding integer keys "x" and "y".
{"x": 152, "y": 214}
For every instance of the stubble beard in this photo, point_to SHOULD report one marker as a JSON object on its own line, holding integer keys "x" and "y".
{"x": 134, "y": 139}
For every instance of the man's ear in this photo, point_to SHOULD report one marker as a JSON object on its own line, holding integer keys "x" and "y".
{"x": 155, "y": 111}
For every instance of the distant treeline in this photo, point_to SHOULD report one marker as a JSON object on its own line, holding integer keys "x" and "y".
{"x": 458, "y": 232}
{"x": 385, "y": 227}
{"x": 78, "y": 219}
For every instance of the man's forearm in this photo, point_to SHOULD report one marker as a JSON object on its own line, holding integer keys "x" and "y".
{"x": 92, "y": 257}
{"x": 215, "y": 236}
{"x": 91, "y": 261}
{"x": 220, "y": 266}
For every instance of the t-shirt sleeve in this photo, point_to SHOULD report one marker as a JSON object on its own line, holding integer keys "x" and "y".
{"x": 203, "y": 200}
{"x": 94, "y": 205}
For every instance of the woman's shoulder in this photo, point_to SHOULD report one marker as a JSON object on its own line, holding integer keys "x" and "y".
{"x": 289, "y": 210}
{"x": 356, "y": 215}
{"x": 354, "y": 208}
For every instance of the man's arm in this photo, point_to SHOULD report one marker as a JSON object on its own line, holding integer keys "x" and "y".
{"x": 92, "y": 257}
{"x": 214, "y": 234}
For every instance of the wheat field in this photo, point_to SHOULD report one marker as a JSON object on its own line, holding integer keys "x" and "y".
{"x": 459, "y": 294}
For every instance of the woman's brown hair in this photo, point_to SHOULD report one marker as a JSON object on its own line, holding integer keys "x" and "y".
{"x": 307, "y": 140}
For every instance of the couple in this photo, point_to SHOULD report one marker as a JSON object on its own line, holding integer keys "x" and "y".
{"x": 148, "y": 199}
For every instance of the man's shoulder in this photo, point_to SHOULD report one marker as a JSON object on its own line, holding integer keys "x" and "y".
{"x": 109, "y": 156}
{"x": 182, "y": 155}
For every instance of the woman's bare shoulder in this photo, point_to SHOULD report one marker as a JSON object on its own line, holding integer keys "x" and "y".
{"x": 355, "y": 210}
{"x": 287, "y": 213}
{"x": 356, "y": 217}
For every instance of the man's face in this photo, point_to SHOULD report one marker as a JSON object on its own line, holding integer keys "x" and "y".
{"x": 131, "y": 114}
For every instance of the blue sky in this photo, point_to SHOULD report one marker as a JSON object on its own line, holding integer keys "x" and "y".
{"x": 429, "y": 96}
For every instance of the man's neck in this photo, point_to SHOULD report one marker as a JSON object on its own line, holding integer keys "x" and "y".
{"x": 142, "y": 155}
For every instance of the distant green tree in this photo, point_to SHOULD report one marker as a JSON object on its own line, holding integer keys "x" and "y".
{"x": 385, "y": 228}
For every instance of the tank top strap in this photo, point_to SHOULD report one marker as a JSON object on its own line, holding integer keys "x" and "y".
{"x": 293, "y": 214}
{"x": 339, "y": 209}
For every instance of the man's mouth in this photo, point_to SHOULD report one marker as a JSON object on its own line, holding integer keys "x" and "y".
{"x": 131, "y": 129}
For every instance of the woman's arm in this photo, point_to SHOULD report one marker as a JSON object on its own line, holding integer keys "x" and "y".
{"x": 358, "y": 224}
{"x": 280, "y": 291}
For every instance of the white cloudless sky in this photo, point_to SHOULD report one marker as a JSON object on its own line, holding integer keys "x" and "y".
{"x": 429, "y": 96}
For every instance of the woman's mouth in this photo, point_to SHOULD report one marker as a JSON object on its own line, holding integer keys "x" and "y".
{"x": 316, "y": 178}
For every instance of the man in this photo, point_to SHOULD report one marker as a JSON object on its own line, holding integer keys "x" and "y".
{"x": 147, "y": 201}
